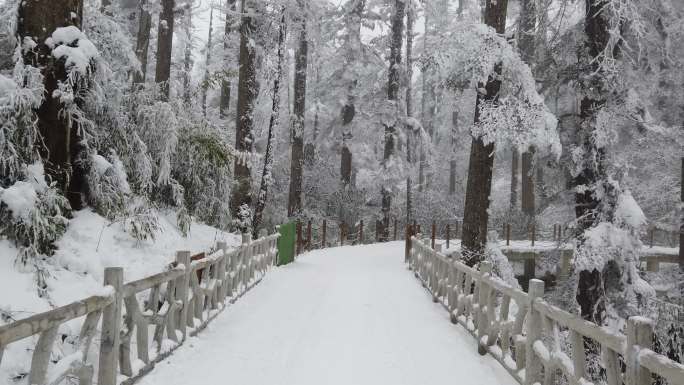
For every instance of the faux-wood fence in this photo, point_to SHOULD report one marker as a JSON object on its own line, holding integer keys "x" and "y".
{"x": 526, "y": 334}
{"x": 176, "y": 303}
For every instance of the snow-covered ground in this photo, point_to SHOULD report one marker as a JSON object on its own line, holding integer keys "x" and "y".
{"x": 90, "y": 244}
{"x": 351, "y": 315}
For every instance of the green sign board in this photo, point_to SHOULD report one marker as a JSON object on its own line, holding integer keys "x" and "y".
{"x": 286, "y": 243}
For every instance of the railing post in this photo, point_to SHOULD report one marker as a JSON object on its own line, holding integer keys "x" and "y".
{"x": 183, "y": 258}
{"x": 533, "y": 368}
{"x": 508, "y": 234}
{"x": 448, "y": 235}
{"x": 456, "y": 232}
{"x": 395, "y": 229}
{"x": 324, "y": 234}
{"x": 639, "y": 336}
{"x": 482, "y": 301}
{"x": 111, "y": 328}
{"x": 308, "y": 235}
{"x": 407, "y": 247}
{"x": 222, "y": 271}
{"x": 299, "y": 238}
{"x": 360, "y": 241}
{"x": 534, "y": 233}
{"x": 434, "y": 228}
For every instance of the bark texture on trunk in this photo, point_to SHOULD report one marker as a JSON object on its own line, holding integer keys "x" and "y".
{"x": 294, "y": 201}
{"x": 60, "y": 148}
{"x": 187, "y": 60}
{"x": 527, "y": 192}
{"x": 526, "y": 42}
{"x": 515, "y": 168}
{"x": 164, "y": 47}
{"x": 392, "y": 97}
{"x": 410, "y": 157}
{"x": 224, "y": 104}
{"x": 479, "y": 186}
{"x": 142, "y": 42}
{"x": 241, "y": 199}
{"x": 266, "y": 174}
{"x": 207, "y": 62}
{"x": 452, "y": 162}
{"x": 590, "y": 288}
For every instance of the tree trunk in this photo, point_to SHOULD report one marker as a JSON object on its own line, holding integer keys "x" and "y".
{"x": 353, "y": 24}
{"x": 452, "y": 162}
{"x": 164, "y": 47}
{"x": 514, "y": 177}
{"x": 681, "y": 225}
{"x": 526, "y": 43}
{"x": 527, "y": 201}
{"x": 60, "y": 146}
{"x": 392, "y": 98}
{"x": 294, "y": 202}
{"x": 142, "y": 43}
{"x": 187, "y": 60}
{"x": 590, "y": 287}
{"x": 479, "y": 186}
{"x": 224, "y": 104}
{"x": 410, "y": 15}
{"x": 240, "y": 199}
{"x": 266, "y": 175}
{"x": 205, "y": 86}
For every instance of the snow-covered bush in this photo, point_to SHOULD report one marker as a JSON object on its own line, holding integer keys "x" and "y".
{"x": 33, "y": 214}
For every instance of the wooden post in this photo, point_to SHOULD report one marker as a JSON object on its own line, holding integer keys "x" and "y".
{"x": 681, "y": 223}
{"x": 508, "y": 234}
{"x": 554, "y": 232}
{"x": 652, "y": 232}
{"x": 342, "y": 233}
{"x": 434, "y": 228}
{"x": 456, "y": 233}
{"x": 534, "y": 233}
{"x": 483, "y": 299}
{"x": 395, "y": 229}
{"x": 111, "y": 329}
{"x": 360, "y": 241}
{"x": 183, "y": 258}
{"x": 639, "y": 336}
{"x": 407, "y": 250}
{"x": 308, "y": 235}
{"x": 533, "y": 367}
{"x": 447, "y": 235}
{"x": 323, "y": 236}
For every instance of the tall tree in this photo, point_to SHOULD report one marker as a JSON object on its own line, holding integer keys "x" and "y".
{"x": 267, "y": 173}
{"x": 294, "y": 201}
{"x": 187, "y": 60}
{"x": 454, "y": 152}
{"x": 353, "y": 20}
{"x": 240, "y": 199}
{"x": 165, "y": 46}
{"x": 207, "y": 63}
{"x": 392, "y": 99}
{"x": 224, "y": 104}
{"x": 60, "y": 148}
{"x": 594, "y": 192}
{"x": 142, "y": 42}
{"x": 526, "y": 43}
{"x": 410, "y": 157}
{"x": 481, "y": 163}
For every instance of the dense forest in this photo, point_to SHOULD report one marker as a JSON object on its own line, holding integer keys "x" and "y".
{"x": 246, "y": 114}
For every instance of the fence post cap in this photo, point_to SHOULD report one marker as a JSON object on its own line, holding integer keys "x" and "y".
{"x": 486, "y": 266}
{"x": 221, "y": 245}
{"x": 536, "y": 288}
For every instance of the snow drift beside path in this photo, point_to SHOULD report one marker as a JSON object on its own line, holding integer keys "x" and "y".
{"x": 89, "y": 245}
{"x": 350, "y": 315}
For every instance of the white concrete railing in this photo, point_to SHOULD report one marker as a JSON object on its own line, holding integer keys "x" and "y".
{"x": 177, "y": 302}
{"x": 524, "y": 333}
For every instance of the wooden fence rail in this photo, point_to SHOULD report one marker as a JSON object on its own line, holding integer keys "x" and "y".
{"x": 532, "y": 339}
{"x": 172, "y": 303}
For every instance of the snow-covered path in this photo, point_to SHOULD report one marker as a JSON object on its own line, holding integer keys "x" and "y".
{"x": 350, "y": 315}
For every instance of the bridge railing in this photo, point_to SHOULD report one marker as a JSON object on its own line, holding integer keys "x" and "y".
{"x": 532, "y": 339}
{"x": 174, "y": 303}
